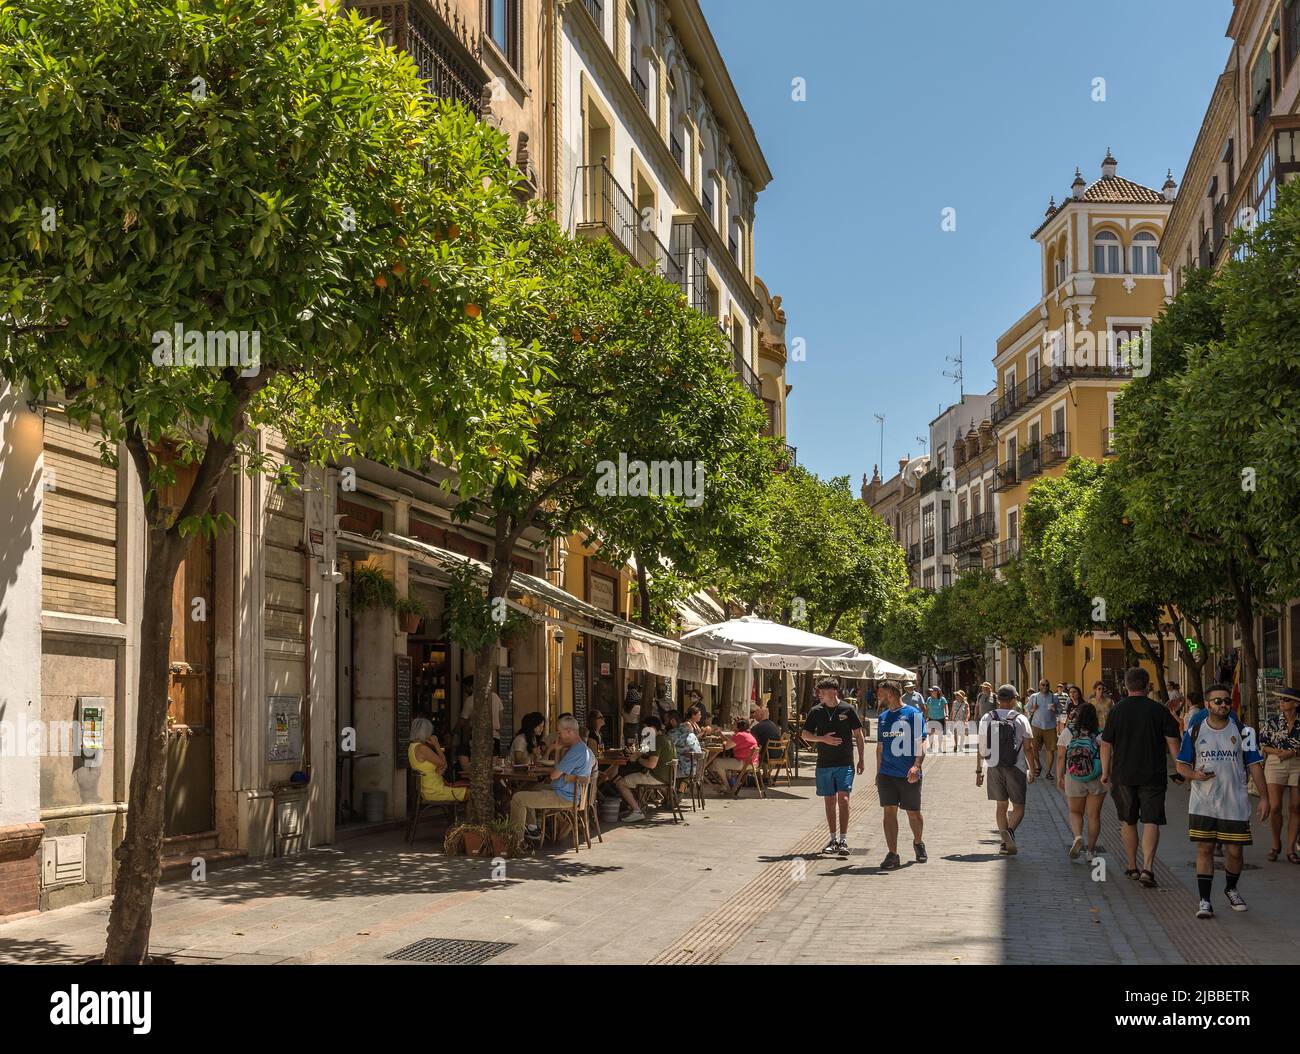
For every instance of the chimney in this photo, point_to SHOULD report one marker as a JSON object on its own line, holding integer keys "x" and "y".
{"x": 1108, "y": 165}
{"x": 1078, "y": 186}
{"x": 1170, "y": 188}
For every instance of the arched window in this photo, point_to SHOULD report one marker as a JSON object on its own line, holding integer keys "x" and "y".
{"x": 1142, "y": 255}
{"x": 1105, "y": 253}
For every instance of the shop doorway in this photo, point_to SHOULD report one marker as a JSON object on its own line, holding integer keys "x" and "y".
{"x": 190, "y": 786}
{"x": 603, "y": 678}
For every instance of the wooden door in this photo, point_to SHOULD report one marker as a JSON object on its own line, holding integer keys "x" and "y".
{"x": 190, "y": 782}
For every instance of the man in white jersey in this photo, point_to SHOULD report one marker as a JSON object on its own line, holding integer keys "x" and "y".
{"x": 1217, "y": 755}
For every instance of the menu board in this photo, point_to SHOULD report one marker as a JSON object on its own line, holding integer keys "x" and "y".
{"x": 401, "y": 708}
{"x": 580, "y": 687}
{"x": 506, "y": 690}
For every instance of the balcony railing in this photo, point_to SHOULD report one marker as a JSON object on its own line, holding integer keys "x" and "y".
{"x": 913, "y": 554}
{"x": 679, "y": 155}
{"x": 596, "y": 8}
{"x": 927, "y": 547}
{"x": 693, "y": 264}
{"x": 746, "y": 373}
{"x": 792, "y": 453}
{"x": 1029, "y": 462}
{"x": 639, "y": 86}
{"x": 970, "y": 533}
{"x": 734, "y": 250}
{"x": 930, "y": 480}
{"x": 1056, "y": 448}
{"x": 415, "y": 27}
{"x": 608, "y": 210}
{"x": 706, "y": 199}
{"x": 970, "y": 559}
{"x": 1005, "y": 552}
{"x": 1046, "y": 378}
{"x": 1005, "y": 477}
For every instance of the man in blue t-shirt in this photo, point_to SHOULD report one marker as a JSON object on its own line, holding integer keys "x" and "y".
{"x": 900, "y": 748}
{"x": 577, "y": 764}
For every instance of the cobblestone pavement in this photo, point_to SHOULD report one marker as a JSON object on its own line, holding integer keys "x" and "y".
{"x": 740, "y": 882}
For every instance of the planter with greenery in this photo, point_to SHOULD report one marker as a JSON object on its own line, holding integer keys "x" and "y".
{"x": 410, "y": 612}
{"x": 507, "y": 838}
{"x": 467, "y": 838}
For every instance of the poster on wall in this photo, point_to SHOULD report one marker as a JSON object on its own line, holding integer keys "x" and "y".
{"x": 402, "y": 677}
{"x": 284, "y": 728}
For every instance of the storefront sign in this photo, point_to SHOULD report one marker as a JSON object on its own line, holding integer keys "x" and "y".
{"x": 284, "y": 728}
{"x": 401, "y": 708}
{"x": 506, "y": 690}
{"x": 579, "y": 665}
{"x": 600, "y": 592}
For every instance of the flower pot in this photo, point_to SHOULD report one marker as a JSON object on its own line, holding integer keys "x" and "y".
{"x": 473, "y": 843}
{"x": 498, "y": 844}
{"x": 409, "y": 623}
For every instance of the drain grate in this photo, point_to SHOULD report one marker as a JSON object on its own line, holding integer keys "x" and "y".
{"x": 443, "y": 951}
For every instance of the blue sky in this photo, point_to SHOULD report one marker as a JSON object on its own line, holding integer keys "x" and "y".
{"x": 912, "y": 108}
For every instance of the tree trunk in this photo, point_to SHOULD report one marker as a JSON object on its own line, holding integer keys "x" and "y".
{"x": 1195, "y": 666}
{"x": 643, "y": 589}
{"x": 140, "y": 854}
{"x": 481, "y": 805}
{"x": 1157, "y": 659}
{"x": 1249, "y": 655}
{"x": 1024, "y": 672}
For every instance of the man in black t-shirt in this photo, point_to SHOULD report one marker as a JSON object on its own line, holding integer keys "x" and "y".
{"x": 763, "y": 729}
{"x": 831, "y": 725}
{"x": 1139, "y": 733}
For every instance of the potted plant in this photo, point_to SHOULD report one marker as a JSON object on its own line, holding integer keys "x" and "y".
{"x": 469, "y": 838}
{"x": 507, "y": 838}
{"x": 410, "y": 612}
{"x": 371, "y": 588}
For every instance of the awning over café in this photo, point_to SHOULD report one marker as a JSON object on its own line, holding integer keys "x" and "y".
{"x": 639, "y": 648}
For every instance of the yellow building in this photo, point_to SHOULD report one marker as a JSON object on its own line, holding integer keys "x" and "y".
{"x": 1061, "y": 365}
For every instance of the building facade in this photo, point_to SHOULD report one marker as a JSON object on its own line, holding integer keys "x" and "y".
{"x": 1061, "y": 365}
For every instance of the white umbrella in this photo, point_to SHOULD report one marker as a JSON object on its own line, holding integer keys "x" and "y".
{"x": 758, "y": 642}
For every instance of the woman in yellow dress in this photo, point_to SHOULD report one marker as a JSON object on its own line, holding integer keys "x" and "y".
{"x": 426, "y": 756}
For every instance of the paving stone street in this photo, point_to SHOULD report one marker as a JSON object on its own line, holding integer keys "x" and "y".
{"x": 740, "y": 882}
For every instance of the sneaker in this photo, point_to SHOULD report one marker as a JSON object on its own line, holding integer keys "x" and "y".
{"x": 1008, "y": 840}
{"x": 1235, "y": 899}
{"x": 921, "y": 858}
{"x": 892, "y": 862}
{"x": 1205, "y": 911}
{"x": 842, "y": 847}
{"x": 1003, "y": 851}
{"x": 634, "y": 817}
{"x": 1075, "y": 846}
{"x": 832, "y": 847}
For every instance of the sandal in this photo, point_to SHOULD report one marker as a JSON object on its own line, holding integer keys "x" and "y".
{"x": 1131, "y": 872}
{"x": 1274, "y": 853}
{"x": 1293, "y": 858}
{"x": 1142, "y": 878}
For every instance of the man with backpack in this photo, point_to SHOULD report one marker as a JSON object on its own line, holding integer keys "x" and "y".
{"x": 1079, "y": 776}
{"x": 1003, "y": 735}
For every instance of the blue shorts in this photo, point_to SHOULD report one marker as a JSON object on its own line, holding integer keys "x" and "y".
{"x": 837, "y": 780}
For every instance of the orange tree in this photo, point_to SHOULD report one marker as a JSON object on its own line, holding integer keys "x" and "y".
{"x": 174, "y": 175}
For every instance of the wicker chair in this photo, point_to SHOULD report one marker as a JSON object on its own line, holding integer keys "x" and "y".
{"x": 695, "y": 782}
{"x": 575, "y": 814}
{"x": 665, "y": 792}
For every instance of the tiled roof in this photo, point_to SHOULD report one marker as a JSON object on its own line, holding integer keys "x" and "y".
{"x": 1117, "y": 190}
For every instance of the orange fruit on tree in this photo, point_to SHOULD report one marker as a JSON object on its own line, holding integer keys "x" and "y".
{"x": 473, "y": 310}
{"x": 381, "y": 280}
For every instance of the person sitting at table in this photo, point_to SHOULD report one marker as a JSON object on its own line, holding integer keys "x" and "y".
{"x": 685, "y": 742}
{"x": 595, "y": 725}
{"x": 764, "y": 728}
{"x": 425, "y": 755}
{"x": 744, "y": 751}
{"x": 576, "y": 762}
{"x": 650, "y": 767}
{"x": 694, "y": 718}
{"x": 554, "y": 748}
{"x": 529, "y": 741}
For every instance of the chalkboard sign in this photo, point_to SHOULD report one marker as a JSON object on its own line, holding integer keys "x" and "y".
{"x": 580, "y": 687}
{"x": 401, "y": 707}
{"x": 506, "y": 690}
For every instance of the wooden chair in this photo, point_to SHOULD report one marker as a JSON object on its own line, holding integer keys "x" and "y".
{"x": 593, "y": 813}
{"x": 666, "y": 792}
{"x": 575, "y": 814}
{"x": 752, "y": 770}
{"x": 776, "y": 756}
{"x": 423, "y": 805}
{"x": 695, "y": 781}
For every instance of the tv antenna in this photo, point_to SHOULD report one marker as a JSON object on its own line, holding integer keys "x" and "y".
{"x": 956, "y": 372}
{"x": 881, "y": 419}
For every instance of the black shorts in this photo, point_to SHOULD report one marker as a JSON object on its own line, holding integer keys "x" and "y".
{"x": 1145, "y": 803}
{"x": 895, "y": 790}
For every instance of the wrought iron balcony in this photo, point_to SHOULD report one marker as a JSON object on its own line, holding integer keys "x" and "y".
{"x": 930, "y": 480}
{"x": 679, "y": 154}
{"x": 608, "y": 210}
{"x": 792, "y": 453}
{"x": 1056, "y": 448}
{"x": 639, "y": 86}
{"x": 692, "y": 258}
{"x": 970, "y": 534}
{"x": 1044, "y": 380}
{"x": 1029, "y": 463}
{"x": 746, "y": 373}
{"x": 1005, "y": 552}
{"x": 913, "y": 554}
{"x": 707, "y": 200}
{"x": 448, "y": 66}
{"x": 1005, "y": 477}
{"x": 970, "y": 559}
{"x": 927, "y": 547}
{"x": 596, "y": 8}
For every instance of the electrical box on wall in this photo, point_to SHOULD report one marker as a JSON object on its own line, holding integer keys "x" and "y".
{"x": 63, "y": 860}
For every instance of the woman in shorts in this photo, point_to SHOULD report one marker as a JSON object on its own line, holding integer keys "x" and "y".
{"x": 1078, "y": 776}
{"x": 1280, "y": 744}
